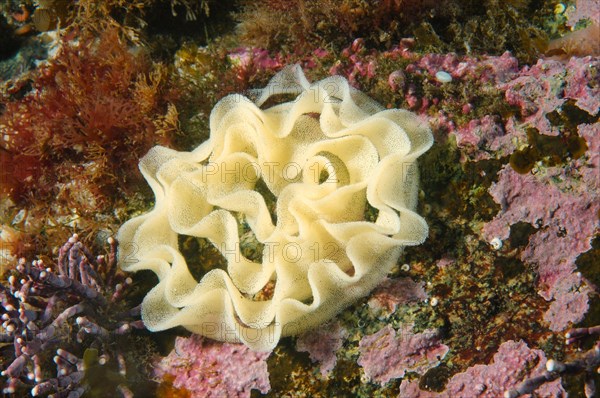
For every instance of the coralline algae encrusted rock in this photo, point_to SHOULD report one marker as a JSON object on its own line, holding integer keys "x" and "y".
{"x": 343, "y": 174}
{"x": 544, "y": 87}
{"x": 584, "y": 9}
{"x": 388, "y": 354}
{"x": 563, "y": 205}
{"x": 513, "y": 362}
{"x": 322, "y": 345}
{"x": 207, "y": 369}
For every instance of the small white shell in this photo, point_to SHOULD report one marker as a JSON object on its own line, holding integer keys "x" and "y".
{"x": 443, "y": 77}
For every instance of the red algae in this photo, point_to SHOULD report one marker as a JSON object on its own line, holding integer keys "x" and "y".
{"x": 72, "y": 140}
{"x": 89, "y": 104}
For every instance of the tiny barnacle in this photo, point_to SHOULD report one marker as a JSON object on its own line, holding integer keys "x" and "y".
{"x": 496, "y": 243}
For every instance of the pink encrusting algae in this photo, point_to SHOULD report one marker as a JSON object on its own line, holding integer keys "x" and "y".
{"x": 322, "y": 345}
{"x": 212, "y": 369}
{"x": 513, "y": 362}
{"x": 390, "y": 354}
{"x": 565, "y": 216}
